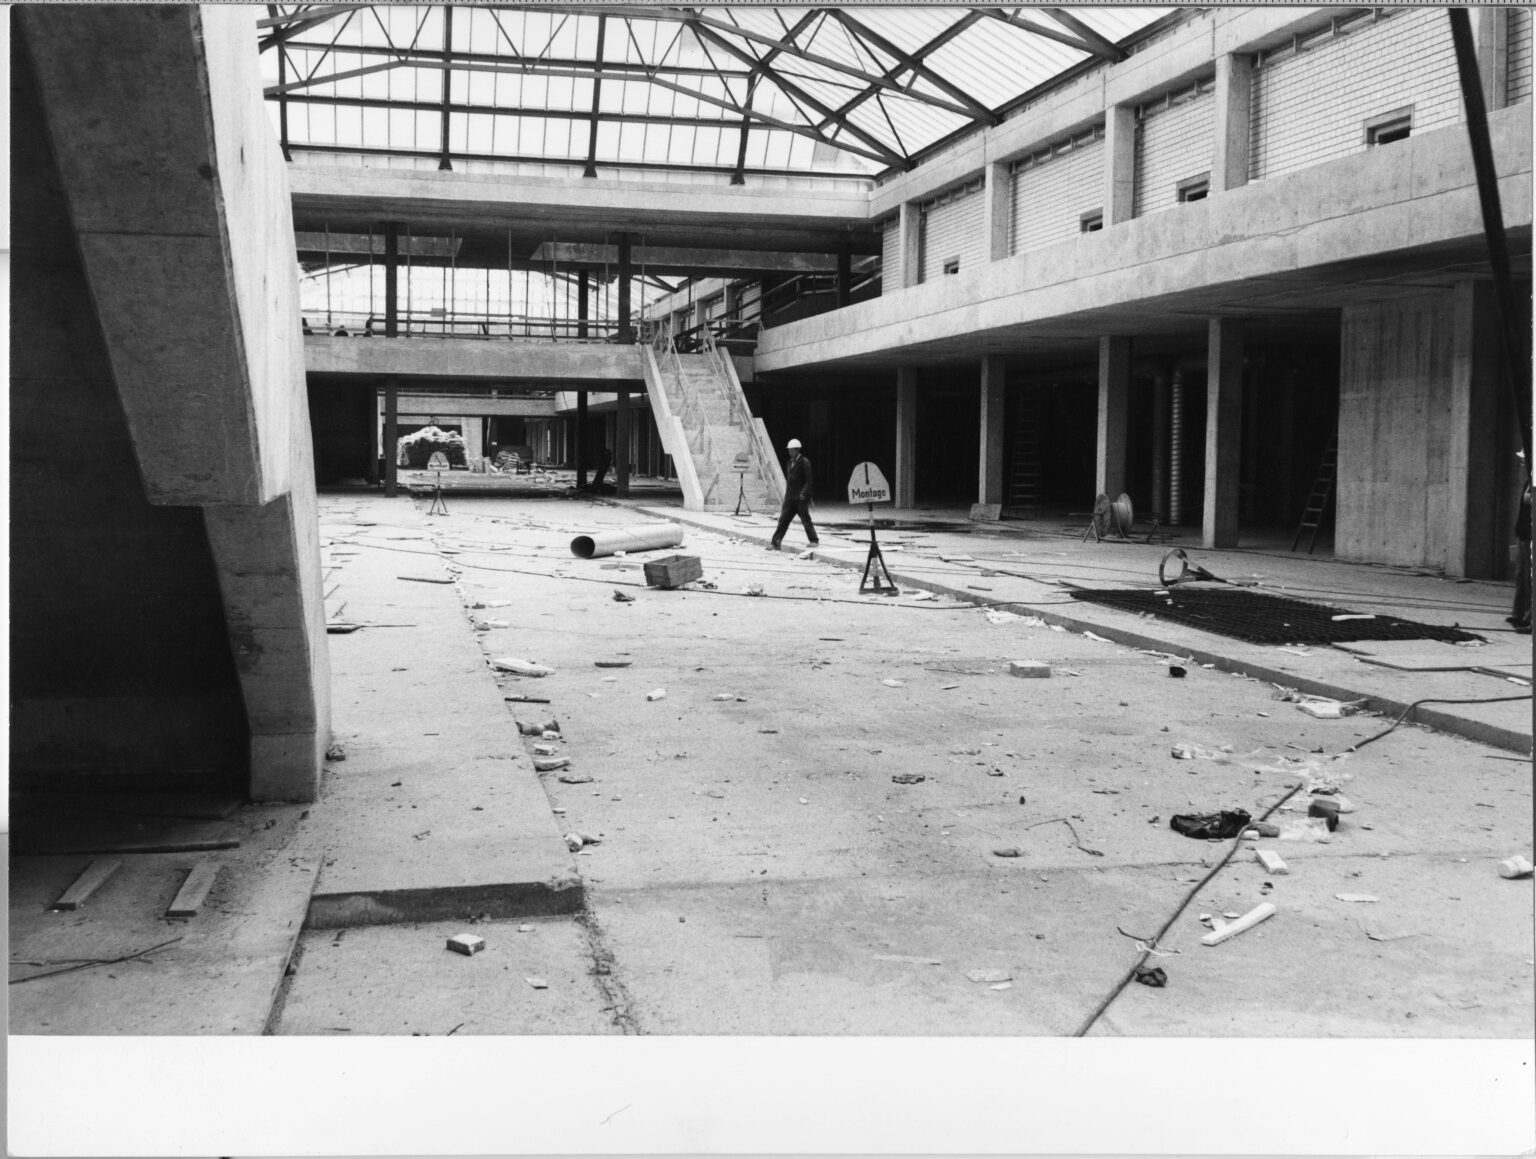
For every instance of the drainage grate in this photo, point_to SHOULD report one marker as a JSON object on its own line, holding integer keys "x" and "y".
{"x": 1260, "y": 618}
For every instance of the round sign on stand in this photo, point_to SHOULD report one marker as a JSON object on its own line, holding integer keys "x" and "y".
{"x": 868, "y": 485}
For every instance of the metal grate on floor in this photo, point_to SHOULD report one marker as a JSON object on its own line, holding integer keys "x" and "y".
{"x": 1260, "y": 618}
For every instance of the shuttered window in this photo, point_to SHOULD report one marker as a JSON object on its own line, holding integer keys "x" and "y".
{"x": 890, "y": 255}
{"x": 1517, "y": 84}
{"x": 1313, "y": 97}
{"x": 951, "y": 233}
{"x": 1050, "y": 191}
{"x": 750, "y": 303}
{"x": 1174, "y": 143}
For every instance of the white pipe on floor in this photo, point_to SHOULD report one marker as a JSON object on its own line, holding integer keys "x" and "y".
{"x": 640, "y": 539}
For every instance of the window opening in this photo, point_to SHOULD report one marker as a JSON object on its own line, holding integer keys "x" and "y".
{"x": 1389, "y": 127}
{"x": 1195, "y": 188}
{"x": 1091, "y": 222}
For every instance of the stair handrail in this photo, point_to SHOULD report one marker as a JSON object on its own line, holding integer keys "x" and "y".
{"x": 768, "y": 460}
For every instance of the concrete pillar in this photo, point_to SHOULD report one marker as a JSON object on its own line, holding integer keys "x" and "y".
{"x": 581, "y": 438}
{"x": 989, "y": 485}
{"x": 1490, "y": 35}
{"x": 1114, "y": 414}
{"x": 1120, "y": 164}
{"x": 391, "y": 435}
{"x": 996, "y": 211}
{"x": 1234, "y": 89}
{"x": 1474, "y": 537}
{"x": 905, "y": 482}
{"x": 1160, "y": 403}
{"x": 583, "y": 303}
{"x": 1223, "y": 432}
{"x": 626, "y": 269}
{"x": 844, "y": 277}
{"x": 391, "y": 279}
{"x": 621, "y": 444}
{"x": 910, "y": 225}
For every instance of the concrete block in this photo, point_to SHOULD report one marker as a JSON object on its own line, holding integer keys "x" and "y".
{"x": 466, "y": 944}
{"x": 1029, "y": 668}
{"x": 1271, "y": 861}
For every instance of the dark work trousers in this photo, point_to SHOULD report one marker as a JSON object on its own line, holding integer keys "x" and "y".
{"x": 791, "y": 508}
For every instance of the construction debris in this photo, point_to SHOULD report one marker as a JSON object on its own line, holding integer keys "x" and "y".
{"x": 550, "y": 764}
{"x": 656, "y": 694}
{"x": 989, "y": 975}
{"x": 1250, "y": 919}
{"x": 1206, "y": 826}
{"x": 94, "y": 877}
{"x": 574, "y": 779}
{"x": 1357, "y": 897}
{"x": 537, "y": 983}
{"x": 1272, "y": 861}
{"x": 908, "y": 779}
{"x": 550, "y": 725}
{"x": 520, "y": 667}
{"x": 622, "y": 597}
{"x": 1008, "y": 851}
{"x": 466, "y": 944}
{"x": 612, "y": 663}
{"x": 1028, "y": 668}
{"x": 1151, "y": 976}
{"x": 1515, "y": 867}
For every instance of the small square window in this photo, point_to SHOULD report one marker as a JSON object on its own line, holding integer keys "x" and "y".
{"x": 1091, "y": 222}
{"x": 1195, "y": 188}
{"x": 1394, "y": 126}
{"x": 952, "y": 266}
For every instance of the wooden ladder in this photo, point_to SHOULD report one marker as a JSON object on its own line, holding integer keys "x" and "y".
{"x": 1322, "y": 491}
{"x": 1024, "y": 479}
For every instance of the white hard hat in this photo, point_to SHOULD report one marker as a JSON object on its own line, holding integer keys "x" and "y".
{"x": 792, "y": 445}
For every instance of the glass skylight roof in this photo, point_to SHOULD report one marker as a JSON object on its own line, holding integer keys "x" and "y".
{"x": 744, "y": 91}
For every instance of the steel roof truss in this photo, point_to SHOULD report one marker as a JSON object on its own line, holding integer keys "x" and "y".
{"x": 973, "y": 107}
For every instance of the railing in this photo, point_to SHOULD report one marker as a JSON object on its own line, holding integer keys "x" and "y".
{"x": 484, "y": 327}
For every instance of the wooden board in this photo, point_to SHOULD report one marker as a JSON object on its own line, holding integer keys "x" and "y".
{"x": 189, "y": 899}
{"x": 95, "y": 876}
{"x": 673, "y": 571}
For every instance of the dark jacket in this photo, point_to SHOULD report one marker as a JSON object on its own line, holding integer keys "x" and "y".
{"x": 797, "y": 480}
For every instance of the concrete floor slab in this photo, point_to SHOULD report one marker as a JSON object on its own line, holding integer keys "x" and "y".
{"x": 222, "y": 969}
{"x": 402, "y": 979}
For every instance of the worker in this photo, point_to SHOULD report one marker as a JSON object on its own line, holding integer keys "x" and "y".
{"x": 797, "y": 497}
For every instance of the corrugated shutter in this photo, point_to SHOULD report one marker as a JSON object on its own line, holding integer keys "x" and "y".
{"x": 890, "y": 255}
{"x": 1310, "y": 104}
{"x": 1517, "y": 86}
{"x": 714, "y": 307}
{"x": 1174, "y": 141}
{"x": 751, "y": 301}
{"x": 951, "y": 231}
{"x": 1049, "y": 195}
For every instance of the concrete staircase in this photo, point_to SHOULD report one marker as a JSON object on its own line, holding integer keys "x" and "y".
{"x": 707, "y": 428}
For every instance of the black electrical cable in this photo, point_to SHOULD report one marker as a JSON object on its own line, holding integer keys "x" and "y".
{"x": 1168, "y": 925}
{"x": 1402, "y": 716}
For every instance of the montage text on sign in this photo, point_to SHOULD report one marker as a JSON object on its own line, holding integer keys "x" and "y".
{"x": 867, "y": 485}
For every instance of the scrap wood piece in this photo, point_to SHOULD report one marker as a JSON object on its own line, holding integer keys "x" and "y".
{"x": 194, "y": 890}
{"x": 1250, "y": 919}
{"x": 426, "y": 579}
{"x": 131, "y": 847}
{"x": 92, "y": 879}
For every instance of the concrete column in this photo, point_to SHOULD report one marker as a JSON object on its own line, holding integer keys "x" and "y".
{"x": 1114, "y": 414}
{"x": 996, "y": 211}
{"x": 1160, "y": 402}
{"x": 910, "y": 224}
{"x": 626, "y": 269}
{"x": 1490, "y": 35}
{"x": 905, "y": 482}
{"x": 844, "y": 277}
{"x": 583, "y": 303}
{"x": 989, "y": 485}
{"x": 733, "y": 300}
{"x": 391, "y": 434}
{"x": 621, "y": 444}
{"x": 1474, "y": 538}
{"x": 391, "y": 279}
{"x": 581, "y": 438}
{"x": 1223, "y": 431}
{"x": 1234, "y": 89}
{"x": 1120, "y": 164}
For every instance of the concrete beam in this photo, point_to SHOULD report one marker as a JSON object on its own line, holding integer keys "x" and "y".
{"x": 989, "y": 485}
{"x": 905, "y": 481}
{"x": 477, "y": 404}
{"x": 1114, "y": 415}
{"x": 460, "y": 358}
{"x": 693, "y": 260}
{"x": 1223, "y": 431}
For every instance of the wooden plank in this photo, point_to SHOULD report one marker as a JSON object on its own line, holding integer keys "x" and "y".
{"x": 94, "y": 877}
{"x": 189, "y": 899}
